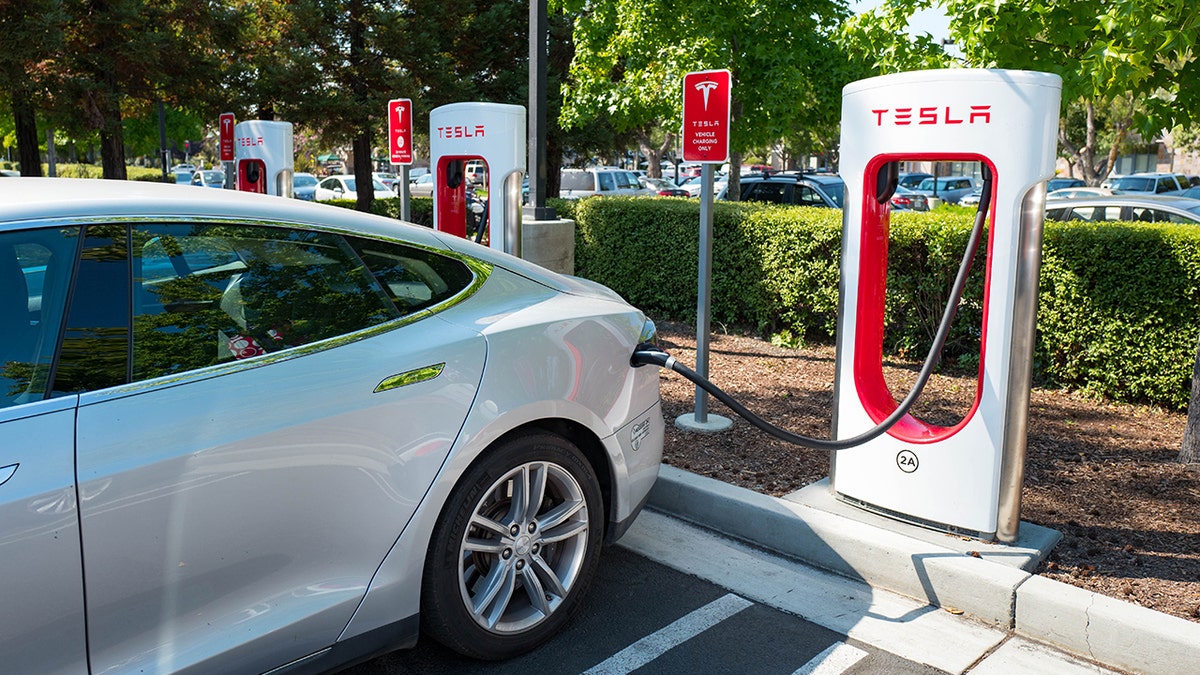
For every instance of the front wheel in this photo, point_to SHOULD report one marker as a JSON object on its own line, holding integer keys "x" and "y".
{"x": 514, "y": 550}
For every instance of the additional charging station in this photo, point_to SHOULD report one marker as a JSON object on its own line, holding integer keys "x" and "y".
{"x": 264, "y": 157}
{"x": 494, "y": 133}
{"x": 966, "y": 478}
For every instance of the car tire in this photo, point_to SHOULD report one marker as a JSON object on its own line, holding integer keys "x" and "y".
{"x": 503, "y": 575}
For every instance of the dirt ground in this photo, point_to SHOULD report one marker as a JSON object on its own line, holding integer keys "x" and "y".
{"x": 1103, "y": 474}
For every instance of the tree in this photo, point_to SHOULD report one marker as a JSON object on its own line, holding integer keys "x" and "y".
{"x": 1106, "y": 51}
{"x": 32, "y": 36}
{"x": 122, "y": 52}
{"x": 631, "y": 56}
{"x": 1189, "y": 453}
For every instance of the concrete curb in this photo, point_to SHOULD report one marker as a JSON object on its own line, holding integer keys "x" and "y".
{"x": 990, "y": 582}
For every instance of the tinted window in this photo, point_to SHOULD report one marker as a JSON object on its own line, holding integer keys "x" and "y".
{"x": 627, "y": 180}
{"x": 806, "y": 196}
{"x": 95, "y": 346}
{"x": 576, "y": 180}
{"x": 412, "y": 278}
{"x": 772, "y": 193}
{"x": 35, "y": 271}
{"x": 836, "y": 192}
{"x": 607, "y": 182}
{"x": 1096, "y": 214}
{"x": 210, "y": 294}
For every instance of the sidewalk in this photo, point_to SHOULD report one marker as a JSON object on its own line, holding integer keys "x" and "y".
{"x": 991, "y": 583}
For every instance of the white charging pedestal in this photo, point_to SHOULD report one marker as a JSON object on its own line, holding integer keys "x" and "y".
{"x": 460, "y": 136}
{"x": 966, "y": 478}
{"x": 263, "y": 157}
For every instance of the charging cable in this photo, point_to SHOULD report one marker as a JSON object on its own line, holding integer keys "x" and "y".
{"x": 648, "y": 354}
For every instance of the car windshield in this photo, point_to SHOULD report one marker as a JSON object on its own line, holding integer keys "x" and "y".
{"x": 214, "y": 177}
{"x": 1135, "y": 184}
{"x": 304, "y": 181}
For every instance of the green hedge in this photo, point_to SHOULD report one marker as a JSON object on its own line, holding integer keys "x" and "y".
{"x": 1119, "y": 308}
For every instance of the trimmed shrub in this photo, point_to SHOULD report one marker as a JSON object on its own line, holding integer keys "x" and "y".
{"x": 1119, "y": 304}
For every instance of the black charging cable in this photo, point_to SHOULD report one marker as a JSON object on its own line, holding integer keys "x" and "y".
{"x": 648, "y": 354}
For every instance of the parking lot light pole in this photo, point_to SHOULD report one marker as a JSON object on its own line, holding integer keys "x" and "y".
{"x": 539, "y": 27}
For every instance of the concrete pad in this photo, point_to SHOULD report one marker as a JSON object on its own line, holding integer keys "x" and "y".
{"x": 936, "y": 568}
{"x": 1018, "y": 655}
{"x": 1107, "y": 630}
{"x": 897, "y": 624}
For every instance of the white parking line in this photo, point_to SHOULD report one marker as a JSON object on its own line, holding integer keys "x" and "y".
{"x": 836, "y": 659}
{"x": 659, "y": 642}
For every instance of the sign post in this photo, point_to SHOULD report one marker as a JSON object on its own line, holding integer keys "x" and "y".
{"x": 400, "y": 145}
{"x": 705, "y": 139}
{"x": 225, "y": 127}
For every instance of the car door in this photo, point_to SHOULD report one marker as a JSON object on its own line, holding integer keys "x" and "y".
{"x": 284, "y": 415}
{"x": 41, "y": 588}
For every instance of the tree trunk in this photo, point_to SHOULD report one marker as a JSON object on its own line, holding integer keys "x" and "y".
{"x": 25, "y": 120}
{"x": 1190, "y": 452}
{"x": 112, "y": 148}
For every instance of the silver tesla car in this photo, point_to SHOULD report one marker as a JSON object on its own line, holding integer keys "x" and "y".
{"x": 241, "y": 433}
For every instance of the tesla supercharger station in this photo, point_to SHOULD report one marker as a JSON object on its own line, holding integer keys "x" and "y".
{"x": 966, "y": 478}
{"x": 493, "y": 133}
{"x": 263, "y": 157}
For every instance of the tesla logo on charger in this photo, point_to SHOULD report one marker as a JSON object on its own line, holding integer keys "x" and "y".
{"x": 249, "y": 141}
{"x": 902, "y": 117}
{"x": 461, "y": 131}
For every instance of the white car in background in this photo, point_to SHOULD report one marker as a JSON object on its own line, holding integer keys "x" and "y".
{"x": 241, "y": 434}
{"x": 346, "y": 187}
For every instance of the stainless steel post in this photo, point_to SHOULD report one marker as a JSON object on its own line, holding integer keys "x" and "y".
{"x": 703, "y": 300}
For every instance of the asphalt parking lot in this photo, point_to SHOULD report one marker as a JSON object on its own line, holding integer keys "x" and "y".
{"x": 644, "y": 617}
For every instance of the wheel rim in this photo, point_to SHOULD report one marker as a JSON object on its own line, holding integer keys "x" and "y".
{"x": 524, "y": 547}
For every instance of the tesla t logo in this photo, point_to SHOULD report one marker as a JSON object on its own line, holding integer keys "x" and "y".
{"x": 902, "y": 117}
{"x": 706, "y": 88}
{"x": 460, "y": 131}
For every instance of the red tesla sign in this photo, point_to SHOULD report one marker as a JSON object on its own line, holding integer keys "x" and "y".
{"x": 400, "y": 130}
{"x": 226, "y": 124}
{"x": 706, "y": 97}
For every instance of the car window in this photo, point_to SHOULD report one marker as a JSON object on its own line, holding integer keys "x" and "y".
{"x": 607, "y": 182}
{"x": 628, "y": 180}
{"x": 1134, "y": 184}
{"x": 806, "y": 196}
{"x": 35, "y": 271}
{"x": 329, "y": 184}
{"x": 576, "y": 180}
{"x": 926, "y": 184}
{"x": 412, "y": 278}
{"x": 836, "y": 192}
{"x": 1166, "y": 184}
{"x": 771, "y": 193}
{"x": 1143, "y": 214}
{"x": 208, "y": 294}
{"x": 95, "y": 342}
{"x": 303, "y": 181}
{"x": 1096, "y": 214}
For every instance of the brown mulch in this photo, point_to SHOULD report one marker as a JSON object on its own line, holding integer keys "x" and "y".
{"x": 1103, "y": 474}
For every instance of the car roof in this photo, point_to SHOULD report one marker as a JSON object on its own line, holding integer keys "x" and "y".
{"x": 1185, "y": 203}
{"x": 31, "y": 199}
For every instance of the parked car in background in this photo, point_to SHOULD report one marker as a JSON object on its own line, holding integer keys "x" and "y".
{"x": 345, "y": 187}
{"x": 911, "y": 200}
{"x": 388, "y": 179}
{"x": 1150, "y": 184}
{"x": 692, "y": 185}
{"x": 1061, "y": 182}
{"x": 213, "y": 178}
{"x": 949, "y": 189}
{"x": 1192, "y": 192}
{"x": 1077, "y": 192}
{"x": 299, "y": 434}
{"x": 807, "y": 189}
{"x": 422, "y": 186}
{"x": 604, "y": 181}
{"x": 304, "y": 186}
{"x": 182, "y": 176}
{"x": 664, "y": 188}
{"x": 912, "y": 180}
{"x": 1126, "y": 208}
{"x": 972, "y": 198}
